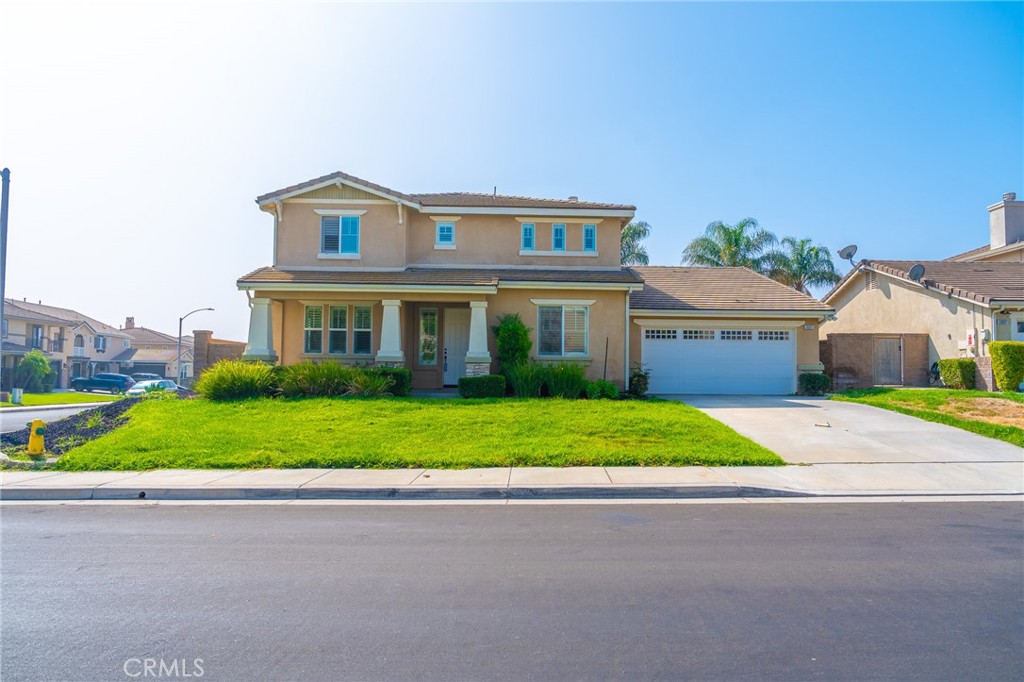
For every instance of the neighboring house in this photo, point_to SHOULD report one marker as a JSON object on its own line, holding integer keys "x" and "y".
{"x": 956, "y": 307}
{"x": 24, "y": 331}
{"x": 157, "y": 353}
{"x": 363, "y": 274}
{"x": 90, "y": 347}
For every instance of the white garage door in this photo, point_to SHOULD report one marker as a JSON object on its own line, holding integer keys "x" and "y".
{"x": 724, "y": 361}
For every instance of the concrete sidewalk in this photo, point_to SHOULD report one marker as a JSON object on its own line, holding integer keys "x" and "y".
{"x": 819, "y": 480}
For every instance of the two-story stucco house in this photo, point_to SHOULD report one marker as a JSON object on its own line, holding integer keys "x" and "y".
{"x": 27, "y": 330}
{"x": 365, "y": 274}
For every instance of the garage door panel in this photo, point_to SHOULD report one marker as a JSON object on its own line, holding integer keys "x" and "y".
{"x": 686, "y": 365}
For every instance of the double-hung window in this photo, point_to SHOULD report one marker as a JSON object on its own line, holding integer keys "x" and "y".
{"x": 590, "y": 237}
{"x": 558, "y": 237}
{"x": 562, "y": 330}
{"x": 339, "y": 234}
{"x": 337, "y": 332}
{"x": 528, "y": 231}
{"x": 362, "y": 334}
{"x": 314, "y": 330}
{"x": 100, "y": 343}
{"x": 445, "y": 235}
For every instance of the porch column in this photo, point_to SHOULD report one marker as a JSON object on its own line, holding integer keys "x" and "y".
{"x": 478, "y": 358}
{"x": 261, "y": 332}
{"x": 391, "y": 334}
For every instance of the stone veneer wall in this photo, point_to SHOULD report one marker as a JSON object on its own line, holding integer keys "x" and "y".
{"x": 984, "y": 379}
{"x": 477, "y": 369}
{"x": 208, "y": 350}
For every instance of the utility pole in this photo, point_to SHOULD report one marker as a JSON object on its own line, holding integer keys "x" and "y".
{"x": 5, "y": 197}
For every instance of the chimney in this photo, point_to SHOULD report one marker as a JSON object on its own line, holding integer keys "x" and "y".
{"x": 1006, "y": 221}
{"x": 129, "y": 323}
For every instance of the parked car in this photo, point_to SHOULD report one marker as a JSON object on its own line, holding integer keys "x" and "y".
{"x": 144, "y": 387}
{"x": 114, "y": 383}
{"x": 143, "y": 376}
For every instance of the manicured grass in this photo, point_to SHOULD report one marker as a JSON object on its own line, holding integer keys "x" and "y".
{"x": 38, "y": 399}
{"x": 950, "y": 407}
{"x": 410, "y": 432}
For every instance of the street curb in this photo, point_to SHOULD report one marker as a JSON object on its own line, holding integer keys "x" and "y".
{"x": 43, "y": 408}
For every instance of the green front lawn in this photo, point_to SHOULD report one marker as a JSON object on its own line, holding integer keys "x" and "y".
{"x": 414, "y": 432}
{"x": 39, "y": 399}
{"x": 996, "y": 415}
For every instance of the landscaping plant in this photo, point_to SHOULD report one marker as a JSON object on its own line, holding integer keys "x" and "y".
{"x": 309, "y": 379}
{"x": 32, "y": 373}
{"x": 401, "y": 378}
{"x": 958, "y": 373}
{"x": 566, "y": 380}
{"x": 487, "y": 386}
{"x": 639, "y": 380}
{"x": 1007, "y": 364}
{"x": 602, "y": 389}
{"x": 814, "y": 384}
{"x": 527, "y": 379}
{"x": 237, "y": 380}
{"x": 369, "y": 384}
{"x": 513, "y": 342}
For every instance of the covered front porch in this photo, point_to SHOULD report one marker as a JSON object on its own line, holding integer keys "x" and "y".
{"x": 438, "y": 337}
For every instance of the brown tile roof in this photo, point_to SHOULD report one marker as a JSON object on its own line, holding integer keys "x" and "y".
{"x": 124, "y": 356}
{"x": 158, "y": 355}
{"x": 717, "y": 289}
{"x": 459, "y": 199}
{"x": 437, "y": 276}
{"x": 12, "y": 309}
{"x": 978, "y": 281}
{"x": 148, "y": 336}
{"x": 71, "y": 316}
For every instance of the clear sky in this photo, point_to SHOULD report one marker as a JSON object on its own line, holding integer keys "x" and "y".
{"x": 138, "y": 137}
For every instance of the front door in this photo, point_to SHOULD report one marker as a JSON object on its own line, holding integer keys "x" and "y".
{"x": 888, "y": 362}
{"x": 456, "y": 344}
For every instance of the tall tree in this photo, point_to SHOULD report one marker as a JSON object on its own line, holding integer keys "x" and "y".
{"x": 800, "y": 264}
{"x": 745, "y": 244}
{"x": 632, "y": 251}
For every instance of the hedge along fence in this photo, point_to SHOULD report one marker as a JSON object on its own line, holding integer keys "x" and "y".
{"x": 240, "y": 380}
{"x": 1007, "y": 364}
{"x": 958, "y": 373}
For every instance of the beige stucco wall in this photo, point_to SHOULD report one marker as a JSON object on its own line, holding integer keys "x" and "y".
{"x": 1012, "y": 256}
{"x": 381, "y": 237}
{"x": 896, "y": 307}
{"x": 807, "y": 349}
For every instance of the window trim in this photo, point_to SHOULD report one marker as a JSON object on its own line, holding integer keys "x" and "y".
{"x": 586, "y": 330}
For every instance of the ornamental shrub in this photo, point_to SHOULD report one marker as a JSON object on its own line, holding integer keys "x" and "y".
{"x": 958, "y": 373}
{"x": 639, "y": 380}
{"x": 369, "y": 384}
{"x": 602, "y": 389}
{"x": 513, "y": 342}
{"x": 237, "y": 380}
{"x": 566, "y": 380}
{"x": 401, "y": 379}
{"x": 527, "y": 379}
{"x": 309, "y": 379}
{"x": 487, "y": 386}
{"x": 1007, "y": 364}
{"x": 814, "y": 384}
{"x": 32, "y": 373}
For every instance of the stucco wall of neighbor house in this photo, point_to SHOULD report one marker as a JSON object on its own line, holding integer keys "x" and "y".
{"x": 496, "y": 240}
{"x": 806, "y": 339}
{"x": 849, "y": 359}
{"x": 381, "y": 237}
{"x": 895, "y": 307}
{"x": 208, "y": 351}
{"x": 1013, "y": 256}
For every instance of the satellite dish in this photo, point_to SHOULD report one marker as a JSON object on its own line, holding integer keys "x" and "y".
{"x": 917, "y": 272}
{"x": 847, "y": 252}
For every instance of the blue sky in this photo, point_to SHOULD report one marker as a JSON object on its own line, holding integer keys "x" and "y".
{"x": 139, "y": 136}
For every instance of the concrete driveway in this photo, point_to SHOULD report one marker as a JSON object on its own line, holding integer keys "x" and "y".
{"x": 821, "y": 431}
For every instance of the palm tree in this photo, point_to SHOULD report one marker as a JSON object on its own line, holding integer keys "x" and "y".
{"x": 632, "y": 252}
{"x": 800, "y": 264}
{"x": 722, "y": 245}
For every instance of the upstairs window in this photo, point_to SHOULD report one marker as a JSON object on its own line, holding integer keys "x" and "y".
{"x": 100, "y": 343}
{"x": 558, "y": 237}
{"x": 37, "y": 336}
{"x": 445, "y": 235}
{"x": 526, "y": 244}
{"x": 590, "y": 237}
{"x": 339, "y": 234}
{"x": 314, "y": 330}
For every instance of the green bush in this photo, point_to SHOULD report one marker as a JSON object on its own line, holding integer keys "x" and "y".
{"x": 1007, "y": 364}
{"x": 958, "y": 373}
{"x": 639, "y": 380}
{"x": 527, "y": 379}
{"x": 513, "y": 342}
{"x": 401, "y": 379}
{"x": 602, "y": 389}
{"x": 814, "y": 384}
{"x": 33, "y": 372}
{"x": 309, "y": 379}
{"x": 487, "y": 386}
{"x": 369, "y": 384}
{"x": 566, "y": 380}
{"x": 237, "y": 380}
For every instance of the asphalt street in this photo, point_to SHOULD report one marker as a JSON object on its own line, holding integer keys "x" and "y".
{"x": 15, "y": 421}
{"x": 922, "y": 591}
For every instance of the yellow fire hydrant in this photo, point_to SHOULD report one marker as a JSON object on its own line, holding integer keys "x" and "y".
{"x": 36, "y": 430}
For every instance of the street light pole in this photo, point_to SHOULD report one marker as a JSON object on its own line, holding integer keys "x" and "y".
{"x": 5, "y": 196}
{"x": 180, "y": 321}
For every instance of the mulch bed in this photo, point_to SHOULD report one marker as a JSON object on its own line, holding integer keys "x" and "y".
{"x": 65, "y": 434}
